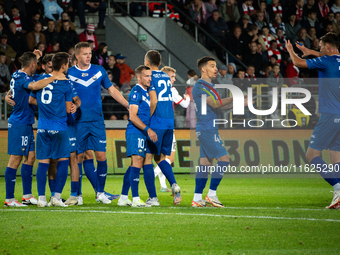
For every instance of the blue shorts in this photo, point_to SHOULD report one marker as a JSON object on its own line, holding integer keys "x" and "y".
{"x": 52, "y": 144}
{"x": 72, "y": 134}
{"x": 163, "y": 144}
{"x": 91, "y": 136}
{"x": 326, "y": 134}
{"x": 135, "y": 144}
{"x": 20, "y": 139}
{"x": 211, "y": 145}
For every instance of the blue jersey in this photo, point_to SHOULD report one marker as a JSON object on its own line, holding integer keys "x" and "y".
{"x": 204, "y": 122}
{"x": 23, "y": 112}
{"x": 140, "y": 97}
{"x": 51, "y": 104}
{"x": 88, "y": 84}
{"x": 329, "y": 89}
{"x": 163, "y": 117}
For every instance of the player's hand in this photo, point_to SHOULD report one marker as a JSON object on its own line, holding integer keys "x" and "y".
{"x": 303, "y": 49}
{"x": 289, "y": 46}
{"x": 152, "y": 135}
{"x": 59, "y": 76}
{"x": 185, "y": 96}
{"x": 73, "y": 108}
{"x": 8, "y": 98}
{"x": 38, "y": 53}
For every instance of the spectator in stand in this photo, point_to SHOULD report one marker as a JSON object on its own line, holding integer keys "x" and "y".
{"x": 67, "y": 6}
{"x": 115, "y": 72}
{"x": 281, "y": 40}
{"x": 251, "y": 35}
{"x": 94, "y": 59}
{"x": 231, "y": 70}
{"x": 259, "y": 48}
{"x": 302, "y": 35}
{"x": 260, "y": 21}
{"x": 265, "y": 71}
{"x": 274, "y": 80}
{"x": 329, "y": 28}
{"x": 235, "y": 44}
{"x": 68, "y": 37}
{"x": 42, "y": 47}
{"x": 329, "y": 19}
{"x": 34, "y": 37}
{"x": 16, "y": 64}
{"x": 20, "y": 4}
{"x": 311, "y": 21}
{"x": 316, "y": 45}
{"x": 229, "y": 12}
{"x": 292, "y": 73}
{"x": 198, "y": 12}
{"x": 31, "y": 23}
{"x": 92, "y": 6}
{"x": 273, "y": 8}
{"x": 52, "y": 10}
{"x": 35, "y": 6}
{"x": 292, "y": 26}
{"x": 244, "y": 23}
{"x": 265, "y": 38}
{"x": 2, "y": 29}
{"x": 65, "y": 17}
{"x": 88, "y": 34}
{"x": 4, "y": 18}
{"x": 211, "y": 6}
{"x": 251, "y": 57}
{"x": 217, "y": 27}
{"x": 263, "y": 8}
{"x": 299, "y": 10}
{"x": 277, "y": 23}
{"x": 7, "y": 49}
{"x": 250, "y": 74}
{"x": 222, "y": 77}
{"x": 55, "y": 47}
{"x": 310, "y": 5}
{"x": 126, "y": 73}
{"x": 101, "y": 54}
{"x": 5, "y": 76}
{"x": 248, "y": 9}
{"x": 272, "y": 60}
{"x": 50, "y": 34}
{"x": 16, "y": 39}
{"x": 336, "y": 6}
{"x": 312, "y": 34}
{"x": 18, "y": 20}
{"x": 323, "y": 9}
{"x": 241, "y": 82}
{"x": 336, "y": 23}
{"x": 273, "y": 50}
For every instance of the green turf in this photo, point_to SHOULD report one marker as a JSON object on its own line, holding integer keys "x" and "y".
{"x": 262, "y": 216}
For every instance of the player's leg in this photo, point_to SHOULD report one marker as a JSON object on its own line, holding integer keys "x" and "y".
{"x": 27, "y": 175}
{"x": 101, "y": 176}
{"x": 51, "y": 173}
{"x": 202, "y": 172}
{"x": 72, "y": 200}
{"x": 10, "y": 179}
{"x": 61, "y": 177}
{"x": 124, "y": 199}
{"x": 90, "y": 170}
{"x": 136, "y": 165}
{"x": 149, "y": 176}
{"x": 41, "y": 176}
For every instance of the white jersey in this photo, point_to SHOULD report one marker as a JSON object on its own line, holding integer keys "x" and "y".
{"x": 177, "y": 99}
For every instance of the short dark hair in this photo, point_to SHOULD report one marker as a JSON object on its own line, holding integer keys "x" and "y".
{"x": 2, "y": 53}
{"x": 14, "y": 6}
{"x": 47, "y": 58}
{"x": 203, "y": 61}
{"x": 250, "y": 66}
{"x": 27, "y": 59}
{"x": 154, "y": 57}
{"x": 272, "y": 41}
{"x": 141, "y": 68}
{"x": 59, "y": 59}
{"x": 81, "y": 45}
{"x": 332, "y": 39}
{"x": 252, "y": 27}
{"x": 113, "y": 57}
{"x": 191, "y": 73}
{"x": 73, "y": 58}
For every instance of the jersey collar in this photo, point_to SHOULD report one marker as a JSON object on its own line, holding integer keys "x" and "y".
{"x": 83, "y": 70}
{"x": 141, "y": 87}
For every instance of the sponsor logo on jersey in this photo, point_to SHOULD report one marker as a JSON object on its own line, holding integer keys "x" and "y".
{"x": 84, "y": 74}
{"x": 336, "y": 120}
{"x": 94, "y": 78}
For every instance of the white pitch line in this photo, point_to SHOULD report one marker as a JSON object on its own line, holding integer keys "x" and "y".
{"x": 165, "y": 213}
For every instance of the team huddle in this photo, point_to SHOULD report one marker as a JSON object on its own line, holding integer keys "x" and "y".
{"x": 71, "y": 127}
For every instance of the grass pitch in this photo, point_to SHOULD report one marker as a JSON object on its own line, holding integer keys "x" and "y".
{"x": 262, "y": 216}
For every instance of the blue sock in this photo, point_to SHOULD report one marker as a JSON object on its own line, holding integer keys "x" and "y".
{"x": 61, "y": 176}
{"x": 74, "y": 188}
{"x": 26, "y": 175}
{"x": 101, "y": 175}
{"x": 126, "y": 182}
{"x": 149, "y": 179}
{"x": 41, "y": 178}
{"x": 10, "y": 178}
{"x": 217, "y": 175}
{"x": 89, "y": 170}
{"x": 201, "y": 178}
{"x": 325, "y": 172}
{"x": 80, "y": 165}
{"x": 167, "y": 171}
{"x": 134, "y": 181}
{"x": 53, "y": 184}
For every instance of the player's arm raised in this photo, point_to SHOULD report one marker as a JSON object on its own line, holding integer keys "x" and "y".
{"x": 44, "y": 82}
{"x": 133, "y": 110}
{"x": 153, "y": 101}
{"x": 118, "y": 97}
{"x": 297, "y": 61}
{"x": 225, "y": 101}
{"x": 307, "y": 52}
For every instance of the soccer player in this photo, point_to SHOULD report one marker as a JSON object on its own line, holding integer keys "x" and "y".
{"x": 90, "y": 127}
{"x": 136, "y": 134}
{"x": 177, "y": 99}
{"x": 162, "y": 122}
{"x": 20, "y": 130}
{"x": 54, "y": 103}
{"x": 211, "y": 145}
{"x": 326, "y": 133}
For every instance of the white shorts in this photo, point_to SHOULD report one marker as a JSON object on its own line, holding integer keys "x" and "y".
{"x": 173, "y": 147}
